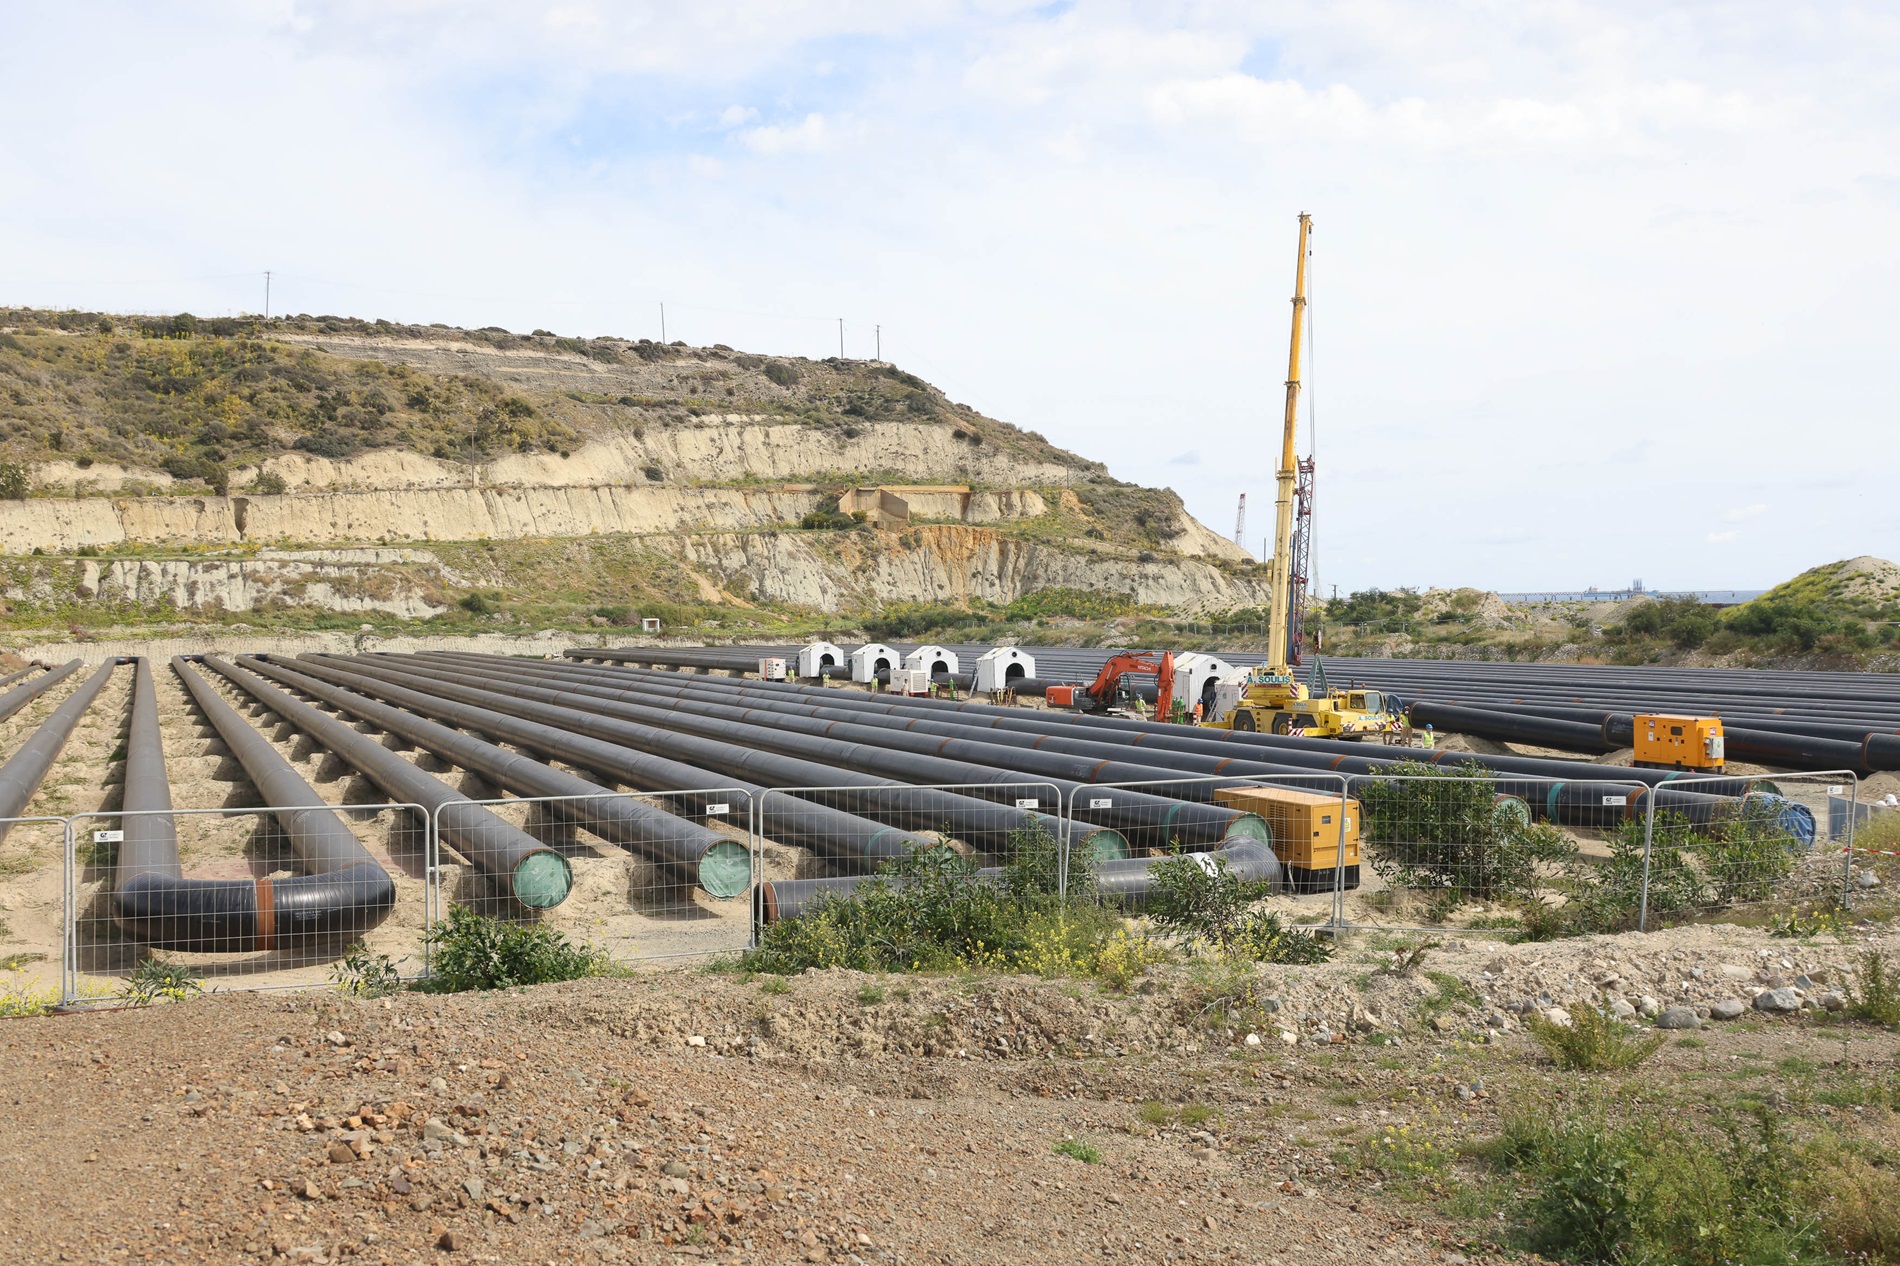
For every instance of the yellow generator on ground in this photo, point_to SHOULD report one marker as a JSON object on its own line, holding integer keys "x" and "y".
{"x": 1673, "y": 742}
{"x": 1272, "y": 702}
{"x": 1308, "y": 836}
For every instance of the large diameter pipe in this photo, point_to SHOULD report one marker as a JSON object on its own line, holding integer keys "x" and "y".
{"x": 689, "y": 853}
{"x": 1595, "y": 803}
{"x": 720, "y": 746}
{"x": 342, "y": 893}
{"x": 1128, "y": 881}
{"x": 21, "y": 776}
{"x": 12, "y": 701}
{"x": 530, "y": 871}
{"x": 600, "y": 744}
{"x": 1142, "y": 816}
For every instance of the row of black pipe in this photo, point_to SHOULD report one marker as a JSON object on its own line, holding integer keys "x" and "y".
{"x": 1789, "y": 720}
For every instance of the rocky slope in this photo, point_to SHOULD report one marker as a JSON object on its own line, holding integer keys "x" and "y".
{"x": 165, "y": 436}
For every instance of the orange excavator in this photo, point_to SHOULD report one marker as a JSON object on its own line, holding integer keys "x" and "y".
{"x": 1107, "y": 691}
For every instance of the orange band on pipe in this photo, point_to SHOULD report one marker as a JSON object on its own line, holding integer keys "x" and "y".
{"x": 266, "y": 915}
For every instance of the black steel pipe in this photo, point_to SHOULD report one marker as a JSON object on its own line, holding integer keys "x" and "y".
{"x": 720, "y": 746}
{"x": 341, "y": 895}
{"x": 1614, "y": 799}
{"x": 604, "y": 745}
{"x": 1154, "y": 815}
{"x": 689, "y": 853}
{"x": 520, "y": 865}
{"x": 14, "y": 700}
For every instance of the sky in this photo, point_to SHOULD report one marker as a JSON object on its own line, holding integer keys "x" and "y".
{"x": 1600, "y": 291}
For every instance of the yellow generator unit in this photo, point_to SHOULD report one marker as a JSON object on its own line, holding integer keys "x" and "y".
{"x": 1672, "y": 742}
{"x": 1307, "y": 835}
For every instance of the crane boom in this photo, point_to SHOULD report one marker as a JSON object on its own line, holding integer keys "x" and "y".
{"x": 1288, "y": 474}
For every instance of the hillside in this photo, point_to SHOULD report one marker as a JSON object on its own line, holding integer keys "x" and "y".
{"x": 311, "y": 467}
{"x": 1840, "y": 615}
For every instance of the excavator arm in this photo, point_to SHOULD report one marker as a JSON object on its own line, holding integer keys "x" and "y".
{"x": 1107, "y": 684}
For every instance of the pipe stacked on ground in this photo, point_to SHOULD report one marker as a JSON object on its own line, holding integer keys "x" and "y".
{"x": 1596, "y": 801}
{"x": 26, "y": 769}
{"x": 1150, "y": 816}
{"x": 522, "y": 866}
{"x": 1126, "y": 881}
{"x": 342, "y": 894}
{"x": 1861, "y": 710}
{"x": 688, "y": 853}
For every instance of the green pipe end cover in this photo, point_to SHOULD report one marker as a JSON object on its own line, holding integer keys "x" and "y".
{"x": 725, "y": 869}
{"x": 1249, "y": 826}
{"x": 1107, "y": 846}
{"x": 543, "y": 880}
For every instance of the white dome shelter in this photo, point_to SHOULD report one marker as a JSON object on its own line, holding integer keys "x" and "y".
{"x": 934, "y": 660}
{"x": 1194, "y": 676}
{"x": 873, "y": 658}
{"x": 814, "y": 659}
{"x": 1002, "y": 667}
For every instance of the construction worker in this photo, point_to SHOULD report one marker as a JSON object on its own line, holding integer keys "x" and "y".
{"x": 1427, "y": 739}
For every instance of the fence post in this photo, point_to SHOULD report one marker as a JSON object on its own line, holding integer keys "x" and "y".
{"x": 1847, "y": 851}
{"x": 69, "y": 934}
{"x": 1649, "y": 839}
{"x": 1339, "y": 863}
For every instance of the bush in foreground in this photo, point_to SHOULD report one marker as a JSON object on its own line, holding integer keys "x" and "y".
{"x": 472, "y": 951}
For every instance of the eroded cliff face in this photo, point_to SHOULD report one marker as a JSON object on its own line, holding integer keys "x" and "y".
{"x": 943, "y": 563}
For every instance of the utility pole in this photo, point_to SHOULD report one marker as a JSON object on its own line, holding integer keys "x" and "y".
{"x": 840, "y": 338}
{"x": 878, "y": 334}
{"x": 662, "y": 323}
{"x": 267, "y": 294}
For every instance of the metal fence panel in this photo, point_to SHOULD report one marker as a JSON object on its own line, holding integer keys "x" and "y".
{"x": 1293, "y": 813}
{"x": 654, "y": 875}
{"x": 821, "y": 833}
{"x": 242, "y": 914}
{"x": 1779, "y": 842}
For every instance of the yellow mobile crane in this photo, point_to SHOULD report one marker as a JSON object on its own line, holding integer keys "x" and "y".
{"x": 1271, "y": 699}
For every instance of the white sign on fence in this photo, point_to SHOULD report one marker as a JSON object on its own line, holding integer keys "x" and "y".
{"x": 1026, "y": 804}
{"x": 718, "y": 808}
{"x": 1616, "y": 800}
{"x": 1101, "y": 804}
{"x": 108, "y": 837}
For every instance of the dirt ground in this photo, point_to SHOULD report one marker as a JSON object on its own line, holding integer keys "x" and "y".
{"x": 687, "y": 1115}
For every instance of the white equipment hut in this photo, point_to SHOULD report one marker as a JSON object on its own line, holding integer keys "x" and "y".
{"x": 1002, "y": 667}
{"x": 873, "y": 658}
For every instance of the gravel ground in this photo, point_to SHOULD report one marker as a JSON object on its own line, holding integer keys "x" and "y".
{"x": 690, "y": 1115}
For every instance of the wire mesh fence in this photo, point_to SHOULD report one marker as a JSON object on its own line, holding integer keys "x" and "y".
{"x": 1470, "y": 849}
{"x": 1308, "y": 820}
{"x": 1718, "y": 842}
{"x": 816, "y": 839}
{"x": 241, "y": 898}
{"x": 640, "y": 876}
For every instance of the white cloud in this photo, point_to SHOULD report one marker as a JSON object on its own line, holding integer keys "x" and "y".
{"x": 1527, "y": 294}
{"x": 811, "y": 135}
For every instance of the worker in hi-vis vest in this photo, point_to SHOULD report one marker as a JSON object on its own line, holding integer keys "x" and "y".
{"x": 1427, "y": 739}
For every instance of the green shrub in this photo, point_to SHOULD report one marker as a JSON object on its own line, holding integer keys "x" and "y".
{"x": 362, "y": 974}
{"x": 479, "y": 604}
{"x": 1079, "y": 1151}
{"x": 1874, "y": 993}
{"x": 910, "y": 621}
{"x": 933, "y": 911}
{"x": 269, "y": 484}
{"x": 1594, "y": 1041}
{"x": 1649, "y": 1191}
{"x": 782, "y": 373}
{"x": 1211, "y": 907}
{"x": 1438, "y": 830}
{"x": 1080, "y": 604}
{"x": 153, "y": 979}
{"x": 472, "y": 951}
{"x": 14, "y": 480}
